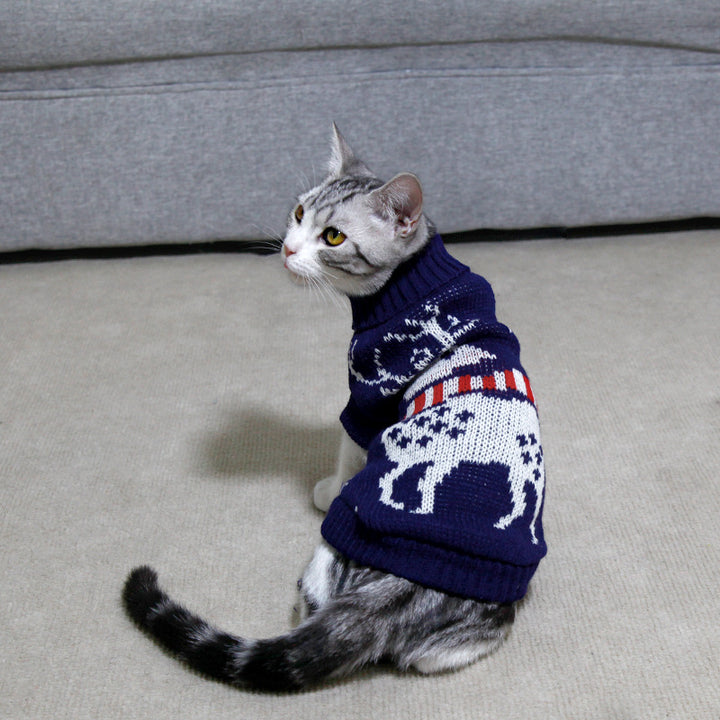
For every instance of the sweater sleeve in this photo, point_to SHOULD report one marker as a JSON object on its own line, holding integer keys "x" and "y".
{"x": 361, "y": 427}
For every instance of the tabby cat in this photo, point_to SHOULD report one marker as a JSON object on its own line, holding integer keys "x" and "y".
{"x": 433, "y": 525}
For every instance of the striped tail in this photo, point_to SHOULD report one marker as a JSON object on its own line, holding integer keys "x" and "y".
{"x": 290, "y": 662}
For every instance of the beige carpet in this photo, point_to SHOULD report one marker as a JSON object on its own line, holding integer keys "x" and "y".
{"x": 177, "y": 411}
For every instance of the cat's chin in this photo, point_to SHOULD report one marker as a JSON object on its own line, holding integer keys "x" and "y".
{"x": 297, "y": 279}
{"x": 368, "y": 287}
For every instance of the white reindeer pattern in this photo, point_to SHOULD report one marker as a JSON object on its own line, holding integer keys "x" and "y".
{"x": 476, "y": 427}
{"x": 471, "y": 428}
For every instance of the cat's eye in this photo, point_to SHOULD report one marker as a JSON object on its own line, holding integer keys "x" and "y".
{"x": 333, "y": 237}
{"x": 299, "y": 212}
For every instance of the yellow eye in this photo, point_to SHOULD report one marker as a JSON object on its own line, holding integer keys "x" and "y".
{"x": 332, "y": 236}
{"x": 299, "y": 212}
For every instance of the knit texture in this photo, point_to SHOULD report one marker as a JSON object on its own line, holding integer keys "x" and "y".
{"x": 451, "y": 495}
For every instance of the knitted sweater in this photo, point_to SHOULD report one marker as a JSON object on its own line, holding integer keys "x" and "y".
{"x": 451, "y": 495}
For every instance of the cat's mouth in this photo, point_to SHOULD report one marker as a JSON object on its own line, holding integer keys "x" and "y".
{"x": 294, "y": 276}
{"x": 286, "y": 254}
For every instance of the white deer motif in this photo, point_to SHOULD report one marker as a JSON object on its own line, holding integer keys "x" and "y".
{"x": 471, "y": 428}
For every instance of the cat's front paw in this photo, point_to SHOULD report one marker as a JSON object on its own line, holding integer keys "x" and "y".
{"x": 325, "y": 492}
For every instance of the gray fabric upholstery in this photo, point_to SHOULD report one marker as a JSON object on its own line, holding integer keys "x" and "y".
{"x": 132, "y": 123}
{"x": 178, "y": 410}
{"x": 42, "y": 33}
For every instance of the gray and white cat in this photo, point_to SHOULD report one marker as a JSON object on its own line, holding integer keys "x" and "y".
{"x": 350, "y": 233}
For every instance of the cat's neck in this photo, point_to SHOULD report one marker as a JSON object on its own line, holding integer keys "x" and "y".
{"x": 411, "y": 282}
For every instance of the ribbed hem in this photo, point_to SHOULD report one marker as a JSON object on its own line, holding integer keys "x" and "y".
{"x": 414, "y": 280}
{"x": 428, "y": 565}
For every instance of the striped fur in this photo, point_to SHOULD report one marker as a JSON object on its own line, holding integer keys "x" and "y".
{"x": 382, "y": 223}
{"x": 354, "y": 616}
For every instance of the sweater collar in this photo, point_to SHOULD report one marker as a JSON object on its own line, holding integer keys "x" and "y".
{"x": 411, "y": 282}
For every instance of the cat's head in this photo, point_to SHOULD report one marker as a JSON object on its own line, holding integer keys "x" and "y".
{"x": 353, "y": 230}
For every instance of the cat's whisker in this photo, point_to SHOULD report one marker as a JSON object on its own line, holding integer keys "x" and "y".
{"x": 333, "y": 294}
{"x": 328, "y": 291}
{"x": 324, "y": 292}
{"x": 334, "y": 297}
{"x": 323, "y": 289}
{"x": 269, "y": 238}
{"x": 272, "y": 238}
{"x": 263, "y": 246}
{"x": 307, "y": 184}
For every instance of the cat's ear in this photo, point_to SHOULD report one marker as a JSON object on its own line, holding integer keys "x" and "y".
{"x": 400, "y": 200}
{"x": 342, "y": 159}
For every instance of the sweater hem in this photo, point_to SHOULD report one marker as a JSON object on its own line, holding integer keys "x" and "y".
{"x": 469, "y": 576}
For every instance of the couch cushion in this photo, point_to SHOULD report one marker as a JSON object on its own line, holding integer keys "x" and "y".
{"x": 192, "y": 150}
{"x": 38, "y": 33}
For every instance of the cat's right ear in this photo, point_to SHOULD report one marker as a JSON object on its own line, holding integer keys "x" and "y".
{"x": 342, "y": 159}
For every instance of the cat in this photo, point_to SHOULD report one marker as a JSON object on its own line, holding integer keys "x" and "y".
{"x": 433, "y": 525}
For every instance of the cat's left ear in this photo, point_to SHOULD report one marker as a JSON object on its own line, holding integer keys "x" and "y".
{"x": 400, "y": 200}
{"x": 342, "y": 159}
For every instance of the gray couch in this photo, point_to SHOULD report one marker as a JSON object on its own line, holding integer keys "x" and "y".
{"x": 130, "y": 122}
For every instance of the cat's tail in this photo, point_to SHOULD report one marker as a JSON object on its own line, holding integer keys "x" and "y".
{"x": 315, "y": 650}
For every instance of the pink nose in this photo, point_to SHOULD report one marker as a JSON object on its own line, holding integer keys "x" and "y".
{"x": 287, "y": 252}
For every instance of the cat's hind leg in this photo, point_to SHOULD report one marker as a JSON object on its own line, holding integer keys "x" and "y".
{"x": 455, "y": 658}
{"x": 473, "y": 630}
{"x": 322, "y": 579}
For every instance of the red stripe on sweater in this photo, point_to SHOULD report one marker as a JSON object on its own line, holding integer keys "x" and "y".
{"x": 510, "y": 380}
{"x": 530, "y": 395}
{"x": 437, "y": 393}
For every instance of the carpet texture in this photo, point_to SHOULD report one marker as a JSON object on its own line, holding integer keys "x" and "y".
{"x": 177, "y": 411}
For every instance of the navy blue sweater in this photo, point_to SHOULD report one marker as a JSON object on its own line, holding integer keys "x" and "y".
{"x": 451, "y": 496}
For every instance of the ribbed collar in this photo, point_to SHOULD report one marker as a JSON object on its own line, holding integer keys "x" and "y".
{"x": 411, "y": 282}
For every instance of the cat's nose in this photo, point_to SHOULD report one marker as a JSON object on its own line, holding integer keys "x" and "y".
{"x": 287, "y": 252}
